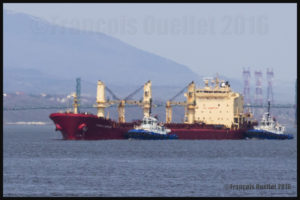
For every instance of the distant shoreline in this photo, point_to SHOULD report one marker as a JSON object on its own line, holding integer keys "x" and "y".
{"x": 27, "y": 123}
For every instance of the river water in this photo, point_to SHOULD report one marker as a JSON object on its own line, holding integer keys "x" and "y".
{"x": 37, "y": 162}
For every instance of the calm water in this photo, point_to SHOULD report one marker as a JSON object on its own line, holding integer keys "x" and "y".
{"x": 38, "y": 163}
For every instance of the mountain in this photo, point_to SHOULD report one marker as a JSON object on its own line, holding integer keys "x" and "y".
{"x": 42, "y": 57}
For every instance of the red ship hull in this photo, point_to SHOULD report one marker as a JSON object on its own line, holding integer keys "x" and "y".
{"x": 90, "y": 127}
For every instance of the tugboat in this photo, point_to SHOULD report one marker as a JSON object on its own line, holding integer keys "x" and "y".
{"x": 150, "y": 130}
{"x": 269, "y": 128}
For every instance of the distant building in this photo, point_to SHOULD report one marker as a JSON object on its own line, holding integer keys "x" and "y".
{"x": 19, "y": 93}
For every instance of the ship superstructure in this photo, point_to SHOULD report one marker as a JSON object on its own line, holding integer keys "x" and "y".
{"x": 219, "y": 105}
{"x": 214, "y": 104}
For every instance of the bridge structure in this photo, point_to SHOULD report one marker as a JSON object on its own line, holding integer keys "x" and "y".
{"x": 20, "y": 108}
{"x": 258, "y": 104}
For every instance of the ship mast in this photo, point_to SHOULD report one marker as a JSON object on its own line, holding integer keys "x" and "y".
{"x": 268, "y": 109}
{"x": 76, "y": 96}
{"x": 78, "y": 88}
{"x": 75, "y": 104}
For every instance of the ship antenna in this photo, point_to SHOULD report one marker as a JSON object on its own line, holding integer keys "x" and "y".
{"x": 150, "y": 109}
{"x": 268, "y": 108}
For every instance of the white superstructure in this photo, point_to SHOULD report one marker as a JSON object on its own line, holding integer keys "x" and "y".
{"x": 151, "y": 124}
{"x": 268, "y": 123}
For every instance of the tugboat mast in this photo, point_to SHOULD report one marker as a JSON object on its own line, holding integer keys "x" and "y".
{"x": 268, "y": 109}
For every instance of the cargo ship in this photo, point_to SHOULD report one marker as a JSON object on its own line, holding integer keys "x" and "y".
{"x": 212, "y": 112}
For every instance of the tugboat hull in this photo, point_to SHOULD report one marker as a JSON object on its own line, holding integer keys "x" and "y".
{"x": 148, "y": 135}
{"x": 262, "y": 134}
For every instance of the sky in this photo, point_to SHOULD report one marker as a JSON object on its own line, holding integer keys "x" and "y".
{"x": 207, "y": 38}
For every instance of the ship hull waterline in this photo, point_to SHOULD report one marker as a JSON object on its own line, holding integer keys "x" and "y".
{"x": 90, "y": 127}
{"x": 262, "y": 134}
{"x": 140, "y": 134}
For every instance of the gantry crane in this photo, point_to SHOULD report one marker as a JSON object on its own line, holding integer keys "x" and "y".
{"x": 189, "y": 105}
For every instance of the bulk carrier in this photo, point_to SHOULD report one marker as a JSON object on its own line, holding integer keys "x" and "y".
{"x": 213, "y": 112}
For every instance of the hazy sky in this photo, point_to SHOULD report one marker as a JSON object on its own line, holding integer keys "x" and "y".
{"x": 208, "y": 38}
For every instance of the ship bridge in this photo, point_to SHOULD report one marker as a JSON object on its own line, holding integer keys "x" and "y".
{"x": 217, "y": 104}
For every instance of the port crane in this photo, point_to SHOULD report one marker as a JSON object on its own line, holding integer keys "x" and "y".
{"x": 189, "y": 105}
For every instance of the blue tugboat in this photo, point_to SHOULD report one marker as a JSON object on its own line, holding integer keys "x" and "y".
{"x": 150, "y": 130}
{"x": 269, "y": 128}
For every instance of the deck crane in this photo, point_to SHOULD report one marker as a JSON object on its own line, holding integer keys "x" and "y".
{"x": 126, "y": 100}
{"x": 189, "y": 105}
{"x": 146, "y": 103}
{"x": 102, "y": 103}
{"x": 147, "y": 99}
